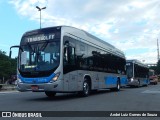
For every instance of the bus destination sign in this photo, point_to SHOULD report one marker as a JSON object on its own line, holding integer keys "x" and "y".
{"x": 40, "y": 37}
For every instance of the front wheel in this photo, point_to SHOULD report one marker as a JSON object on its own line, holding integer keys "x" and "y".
{"x": 117, "y": 88}
{"x": 139, "y": 84}
{"x": 86, "y": 89}
{"x": 50, "y": 94}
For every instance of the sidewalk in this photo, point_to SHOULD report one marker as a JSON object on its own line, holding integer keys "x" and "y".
{"x": 6, "y": 87}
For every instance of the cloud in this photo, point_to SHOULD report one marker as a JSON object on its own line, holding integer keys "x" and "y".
{"x": 129, "y": 25}
{"x": 146, "y": 57}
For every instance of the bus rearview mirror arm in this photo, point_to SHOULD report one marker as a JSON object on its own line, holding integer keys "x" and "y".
{"x": 16, "y": 46}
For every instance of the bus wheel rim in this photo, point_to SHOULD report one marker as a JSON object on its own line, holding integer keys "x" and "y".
{"x": 85, "y": 88}
{"x": 118, "y": 86}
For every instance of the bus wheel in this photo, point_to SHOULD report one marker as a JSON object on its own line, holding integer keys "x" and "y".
{"x": 86, "y": 88}
{"x": 118, "y": 86}
{"x": 138, "y": 84}
{"x": 50, "y": 94}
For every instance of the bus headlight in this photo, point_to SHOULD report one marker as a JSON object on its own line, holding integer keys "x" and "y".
{"x": 132, "y": 79}
{"x": 55, "y": 78}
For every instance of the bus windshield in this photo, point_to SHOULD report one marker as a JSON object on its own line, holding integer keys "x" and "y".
{"x": 39, "y": 56}
{"x": 129, "y": 70}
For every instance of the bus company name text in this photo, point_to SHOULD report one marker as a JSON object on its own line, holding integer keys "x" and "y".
{"x": 40, "y": 38}
{"x": 21, "y": 115}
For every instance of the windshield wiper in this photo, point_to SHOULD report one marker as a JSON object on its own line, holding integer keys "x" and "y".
{"x": 44, "y": 46}
{"x": 30, "y": 47}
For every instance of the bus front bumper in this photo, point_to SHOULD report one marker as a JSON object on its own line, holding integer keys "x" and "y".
{"x": 41, "y": 87}
{"x": 133, "y": 83}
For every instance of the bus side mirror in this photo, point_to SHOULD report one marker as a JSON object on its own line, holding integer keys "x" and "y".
{"x": 10, "y": 54}
{"x": 16, "y": 46}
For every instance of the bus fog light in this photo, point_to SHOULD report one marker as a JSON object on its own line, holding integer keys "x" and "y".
{"x": 55, "y": 78}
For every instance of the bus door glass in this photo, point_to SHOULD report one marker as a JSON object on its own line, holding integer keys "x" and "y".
{"x": 69, "y": 63}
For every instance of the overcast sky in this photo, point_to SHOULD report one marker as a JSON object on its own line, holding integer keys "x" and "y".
{"x": 130, "y": 25}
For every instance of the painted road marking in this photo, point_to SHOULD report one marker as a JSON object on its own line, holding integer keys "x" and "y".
{"x": 151, "y": 91}
{"x": 5, "y": 92}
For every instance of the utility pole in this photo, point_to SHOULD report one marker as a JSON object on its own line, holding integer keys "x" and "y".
{"x": 39, "y": 9}
{"x": 157, "y": 50}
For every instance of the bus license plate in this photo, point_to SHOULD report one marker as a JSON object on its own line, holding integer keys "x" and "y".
{"x": 34, "y": 87}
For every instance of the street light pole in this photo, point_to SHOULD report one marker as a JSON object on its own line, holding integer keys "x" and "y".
{"x": 39, "y": 9}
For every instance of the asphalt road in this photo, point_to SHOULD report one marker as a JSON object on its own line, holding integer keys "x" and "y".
{"x": 128, "y": 99}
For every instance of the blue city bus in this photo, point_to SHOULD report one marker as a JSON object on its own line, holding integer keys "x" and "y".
{"x": 64, "y": 59}
{"x": 137, "y": 73}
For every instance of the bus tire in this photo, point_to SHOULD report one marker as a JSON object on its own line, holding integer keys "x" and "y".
{"x": 86, "y": 88}
{"x": 138, "y": 84}
{"x": 118, "y": 86}
{"x": 0, "y": 87}
{"x": 50, "y": 94}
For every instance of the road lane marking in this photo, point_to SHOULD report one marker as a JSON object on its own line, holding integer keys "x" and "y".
{"x": 5, "y": 92}
{"x": 151, "y": 91}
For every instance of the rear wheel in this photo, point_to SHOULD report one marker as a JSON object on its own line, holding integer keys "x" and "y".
{"x": 50, "y": 94}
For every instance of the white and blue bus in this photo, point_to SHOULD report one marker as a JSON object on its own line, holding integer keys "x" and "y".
{"x": 66, "y": 59}
{"x": 137, "y": 73}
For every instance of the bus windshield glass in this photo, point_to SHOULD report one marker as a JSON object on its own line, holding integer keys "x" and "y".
{"x": 39, "y": 54}
{"x": 129, "y": 68}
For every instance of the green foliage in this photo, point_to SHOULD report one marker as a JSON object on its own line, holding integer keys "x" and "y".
{"x": 156, "y": 68}
{"x": 7, "y": 66}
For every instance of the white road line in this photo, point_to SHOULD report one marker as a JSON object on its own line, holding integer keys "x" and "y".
{"x": 151, "y": 91}
{"x": 5, "y": 92}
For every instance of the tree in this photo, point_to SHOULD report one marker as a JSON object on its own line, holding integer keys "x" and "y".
{"x": 153, "y": 68}
{"x": 7, "y": 66}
